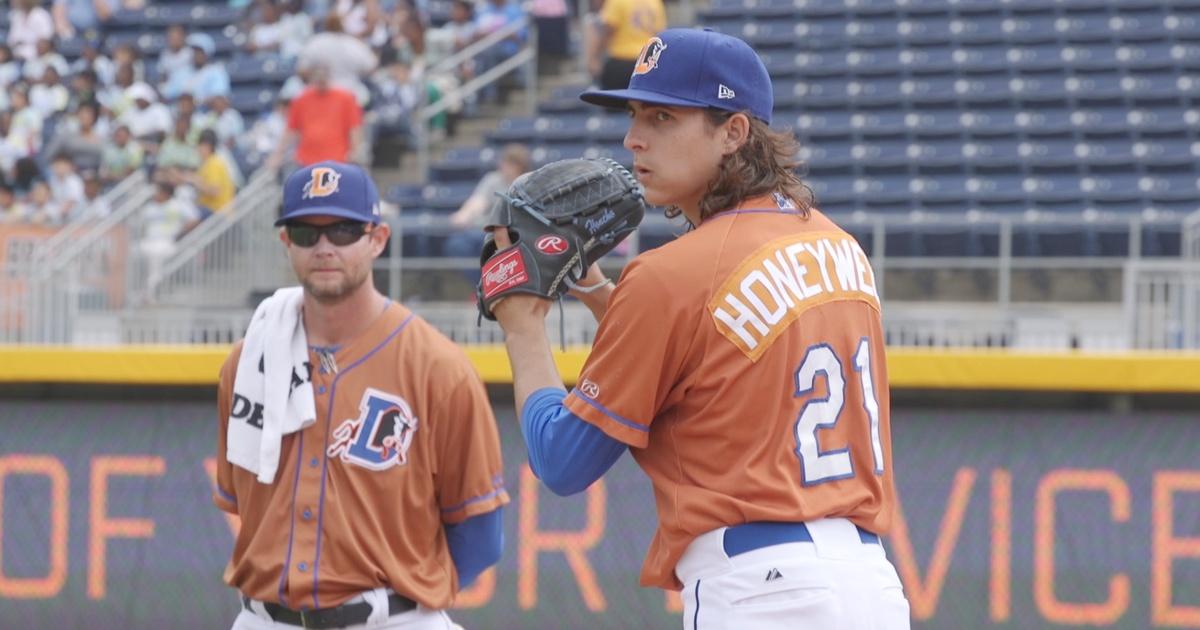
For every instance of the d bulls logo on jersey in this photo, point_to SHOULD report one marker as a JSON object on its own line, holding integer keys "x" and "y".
{"x": 648, "y": 60}
{"x": 324, "y": 182}
{"x": 551, "y": 244}
{"x": 380, "y": 437}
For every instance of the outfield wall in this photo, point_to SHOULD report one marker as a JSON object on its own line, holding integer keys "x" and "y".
{"x": 1016, "y": 518}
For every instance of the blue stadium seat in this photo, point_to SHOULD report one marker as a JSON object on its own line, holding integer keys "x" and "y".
{"x": 984, "y": 88}
{"x": 446, "y": 196}
{"x": 818, "y": 62}
{"x": 877, "y": 91}
{"x": 164, "y": 15}
{"x": 71, "y": 48}
{"x": 1096, "y": 86}
{"x": 124, "y": 19}
{"x": 544, "y": 154}
{"x": 872, "y": 29}
{"x": 463, "y": 164}
{"x": 1044, "y": 120}
{"x": 766, "y": 8}
{"x": 1084, "y": 26}
{"x": 825, "y": 122}
{"x": 1168, "y": 150}
{"x": 780, "y": 62}
{"x": 1183, "y": 22}
{"x": 1143, "y": 23}
{"x": 1031, "y": 87}
{"x": 256, "y": 69}
{"x": 522, "y": 129}
{"x": 1186, "y": 54}
{"x": 982, "y": 57}
{"x": 563, "y": 104}
{"x": 882, "y": 152}
{"x": 1148, "y": 55}
{"x": 832, "y": 189}
{"x": 928, "y": 59}
{"x": 820, "y": 30}
{"x": 614, "y": 152}
{"x": 405, "y": 195}
{"x": 879, "y": 122}
{"x": 1102, "y": 118}
{"x": 947, "y": 186}
{"x": 1036, "y": 56}
{"x": 983, "y": 28}
{"x": 252, "y": 100}
{"x": 1111, "y": 150}
{"x": 607, "y": 129}
{"x": 827, "y": 156}
{"x": 1162, "y": 238}
{"x": 768, "y": 33}
{"x": 887, "y": 190}
{"x": 1163, "y": 118}
{"x": 882, "y": 60}
{"x": 1170, "y": 185}
{"x": 1089, "y": 56}
{"x": 928, "y": 28}
{"x": 991, "y": 119}
{"x": 1048, "y": 150}
{"x": 935, "y": 120}
{"x": 1001, "y": 150}
{"x": 1112, "y": 186}
{"x": 994, "y": 188}
{"x": 924, "y": 89}
{"x": 1152, "y": 85}
{"x": 812, "y": 91}
{"x": 937, "y": 151}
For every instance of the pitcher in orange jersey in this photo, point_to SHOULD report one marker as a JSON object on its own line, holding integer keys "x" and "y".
{"x": 355, "y": 441}
{"x": 742, "y": 365}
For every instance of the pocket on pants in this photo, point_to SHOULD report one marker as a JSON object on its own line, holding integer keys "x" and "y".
{"x": 769, "y": 596}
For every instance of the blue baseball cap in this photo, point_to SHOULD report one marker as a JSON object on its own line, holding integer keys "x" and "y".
{"x": 330, "y": 189}
{"x": 695, "y": 68}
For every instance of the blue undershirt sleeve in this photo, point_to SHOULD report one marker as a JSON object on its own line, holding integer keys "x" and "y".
{"x": 475, "y": 544}
{"x": 567, "y": 453}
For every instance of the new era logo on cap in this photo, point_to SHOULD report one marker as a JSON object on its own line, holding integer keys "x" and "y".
{"x": 330, "y": 189}
{"x": 696, "y": 68}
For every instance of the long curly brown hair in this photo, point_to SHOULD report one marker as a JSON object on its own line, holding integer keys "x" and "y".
{"x": 767, "y": 162}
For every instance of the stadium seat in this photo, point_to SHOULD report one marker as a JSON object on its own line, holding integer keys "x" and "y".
{"x": 981, "y": 28}
{"x": 446, "y": 196}
{"x": 1102, "y": 118}
{"x": 1140, "y": 23}
{"x": 993, "y": 151}
{"x": 944, "y": 186}
{"x": 817, "y": 62}
{"x": 827, "y": 156}
{"x": 407, "y": 196}
{"x": 1097, "y": 86}
{"x": 1166, "y": 150}
{"x": 463, "y": 164}
{"x": 882, "y": 152}
{"x": 1161, "y": 238}
{"x": 939, "y": 120}
{"x": 832, "y": 189}
{"x": 252, "y": 100}
{"x": 607, "y": 129}
{"x": 935, "y": 151}
{"x": 879, "y": 122}
{"x": 981, "y": 57}
{"x": 1083, "y": 26}
{"x": 996, "y": 187}
{"x": 1044, "y": 120}
{"x": 1036, "y": 56}
{"x": 1163, "y": 118}
{"x": 1151, "y": 86}
{"x": 1035, "y": 87}
{"x": 1108, "y": 150}
{"x": 828, "y": 123}
{"x": 1135, "y": 56}
{"x": 1170, "y": 184}
{"x": 1048, "y": 150}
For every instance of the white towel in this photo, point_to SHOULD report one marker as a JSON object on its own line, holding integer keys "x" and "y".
{"x": 276, "y": 336}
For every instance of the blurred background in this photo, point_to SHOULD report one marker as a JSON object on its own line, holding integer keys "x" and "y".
{"x": 1022, "y": 173}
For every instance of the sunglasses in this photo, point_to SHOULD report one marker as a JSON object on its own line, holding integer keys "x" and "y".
{"x": 341, "y": 233}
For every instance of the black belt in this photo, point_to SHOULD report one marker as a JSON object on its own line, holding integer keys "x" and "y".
{"x": 746, "y": 537}
{"x": 335, "y": 617}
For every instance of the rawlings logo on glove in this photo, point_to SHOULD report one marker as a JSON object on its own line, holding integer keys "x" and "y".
{"x": 562, "y": 217}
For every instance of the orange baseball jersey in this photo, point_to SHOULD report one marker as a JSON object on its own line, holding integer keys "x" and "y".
{"x": 743, "y": 363}
{"x": 404, "y": 442}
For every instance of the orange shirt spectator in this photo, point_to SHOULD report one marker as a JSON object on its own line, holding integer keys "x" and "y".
{"x": 324, "y": 120}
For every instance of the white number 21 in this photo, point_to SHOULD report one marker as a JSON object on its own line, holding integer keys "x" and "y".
{"x": 816, "y": 465}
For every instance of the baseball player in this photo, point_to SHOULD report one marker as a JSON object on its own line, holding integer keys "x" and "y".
{"x": 390, "y": 501}
{"x": 742, "y": 364}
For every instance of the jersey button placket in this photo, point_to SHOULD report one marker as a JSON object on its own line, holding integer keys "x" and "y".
{"x": 304, "y": 544}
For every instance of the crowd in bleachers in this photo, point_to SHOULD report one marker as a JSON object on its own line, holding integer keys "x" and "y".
{"x": 198, "y": 95}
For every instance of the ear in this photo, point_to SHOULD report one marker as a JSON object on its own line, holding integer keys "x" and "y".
{"x": 283, "y": 237}
{"x": 379, "y": 238}
{"x": 737, "y": 131}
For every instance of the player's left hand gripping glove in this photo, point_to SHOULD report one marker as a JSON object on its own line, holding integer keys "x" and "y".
{"x": 562, "y": 218}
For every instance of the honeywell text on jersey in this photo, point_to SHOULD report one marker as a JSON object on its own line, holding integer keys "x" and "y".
{"x": 783, "y": 279}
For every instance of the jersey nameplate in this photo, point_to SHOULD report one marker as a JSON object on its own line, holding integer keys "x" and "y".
{"x": 783, "y": 279}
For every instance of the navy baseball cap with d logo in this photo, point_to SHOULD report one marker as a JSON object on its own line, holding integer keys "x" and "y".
{"x": 696, "y": 68}
{"x": 330, "y": 189}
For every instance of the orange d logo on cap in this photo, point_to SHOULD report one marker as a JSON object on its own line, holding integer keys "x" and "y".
{"x": 324, "y": 182}
{"x": 648, "y": 59}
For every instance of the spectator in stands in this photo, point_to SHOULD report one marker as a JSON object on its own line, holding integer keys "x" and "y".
{"x": 75, "y": 17}
{"x": 176, "y": 56}
{"x": 39, "y": 208}
{"x": 66, "y": 189}
{"x": 49, "y": 96}
{"x": 297, "y": 29}
{"x": 553, "y": 29}
{"x": 96, "y": 206}
{"x": 85, "y": 89}
{"x": 204, "y": 77}
{"x": 213, "y": 180}
{"x": 121, "y": 157}
{"x": 10, "y": 68}
{"x": 226, "y": 121}
{"x": 114, "y": 98}
{"x": 28, "y": 24}
{"x": 46, "y": 56}
{"x": 25, "y": 130}
{"x": 266, "y": 35}
{"x": 266, "y": 134}
{"x": 147, "y": 116}
{"x": 406, "y": 32}
{"x": 345, "y": 58}
{"x": 178, "y": 150}
{"x": 126, "y": 54}
{"x": 362, "y": 19}
{"x": 617, "y": 37}
{"x": 492, "y": 16}
{"x": 468, "y": 221}
{"x": 453, "y": 36}
{"x": 325, "y": 123}
{"x": 165, "y": 219}
{"x": 10, "y": 210}
{"x": 397, "y": 96}
{"x": 81, "y": 137}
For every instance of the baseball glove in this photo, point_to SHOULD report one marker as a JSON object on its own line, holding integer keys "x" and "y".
{"x": 562, "y": 218}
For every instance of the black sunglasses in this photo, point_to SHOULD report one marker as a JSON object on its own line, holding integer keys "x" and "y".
{"x": 341, "y": 233}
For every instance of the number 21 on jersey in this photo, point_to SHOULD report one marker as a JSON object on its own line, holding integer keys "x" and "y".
{"x": 817, "y": 466}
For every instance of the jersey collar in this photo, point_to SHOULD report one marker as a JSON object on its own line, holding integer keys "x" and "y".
{"x": 771, "y": 203}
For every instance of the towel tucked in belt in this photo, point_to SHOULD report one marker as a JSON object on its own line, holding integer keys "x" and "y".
{"x": 271, "y": 372}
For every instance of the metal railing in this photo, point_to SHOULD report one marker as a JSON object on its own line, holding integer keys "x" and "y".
{"x": 1191, "y": 236}
{"x": 526, "y": 57}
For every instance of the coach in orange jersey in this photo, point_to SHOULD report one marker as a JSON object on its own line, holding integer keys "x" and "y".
{"x": 742, "y": 364}
{"x": 355, "y": 442}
